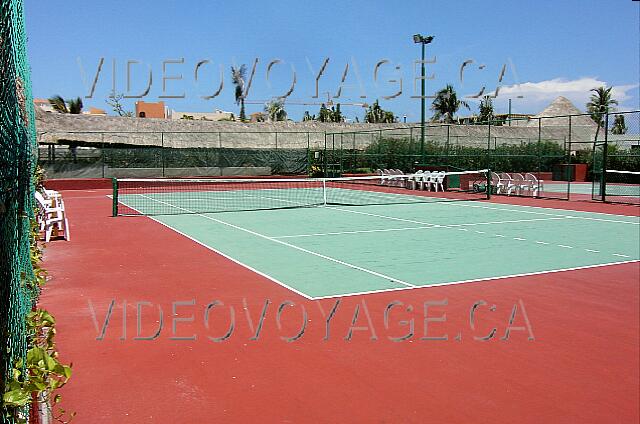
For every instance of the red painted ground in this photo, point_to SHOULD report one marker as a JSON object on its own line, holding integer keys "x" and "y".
{"x": 582, "y": 367}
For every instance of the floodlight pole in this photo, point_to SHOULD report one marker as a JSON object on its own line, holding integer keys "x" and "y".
{"x": 422, "y": 108}
{"x": 418, "y": 38}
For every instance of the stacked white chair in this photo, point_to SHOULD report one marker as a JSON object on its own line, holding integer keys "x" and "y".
{"x": 497, "y": 183}
{"x": 414, "y": 180}
{"x": 536, "y": 184}
{"x": 508, "y": 182}
{"x": 423, "y": 184}
{"x": 522, "y": 185}
{"x": 439, "y": 180}
{"x": 52, "y": 214}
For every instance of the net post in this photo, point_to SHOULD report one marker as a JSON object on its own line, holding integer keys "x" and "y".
{"x": 605, "y": 153}
{"x": 114, "y": 184}
{"x": 324, "y": 191}
{"x": 488, "y": 190}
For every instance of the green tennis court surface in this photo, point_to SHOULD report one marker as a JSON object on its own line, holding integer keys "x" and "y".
{"x": 343, "y": 250}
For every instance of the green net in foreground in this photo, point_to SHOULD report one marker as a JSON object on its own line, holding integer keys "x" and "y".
{"x": 188, "y": 196}
{"x": 17, "y": 138}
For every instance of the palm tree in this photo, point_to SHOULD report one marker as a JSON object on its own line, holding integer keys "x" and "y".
{"x": 376, "y": 115}
{"x": 58, "y": 104}
{"x": 600, "y": 104}
{"x": 446, "y": 104}
{"x": 619, "y": 126}
{"x": 73, "y": 106}
{"x": 237, "y": 77}
{"x": 486, "y": 110}
{"x": 275, "y": 110}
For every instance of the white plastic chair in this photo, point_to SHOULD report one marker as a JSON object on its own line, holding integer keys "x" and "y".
{"x": 402, "y": 180}
{"x": 508, "y": 183}
{"x": 412, "y": 181}
{"x": 423, "y": 184}
{"x": 536, "y": 184}
{"x": 522, "y": 185}
{"x": 497, "y": 183}
{"x": 431, "y": 181}
{"x": 51, "y": 215}
{"x": 440, "y": 180}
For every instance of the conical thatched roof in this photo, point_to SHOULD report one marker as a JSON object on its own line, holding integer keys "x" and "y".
{"x": 561, "y": 106}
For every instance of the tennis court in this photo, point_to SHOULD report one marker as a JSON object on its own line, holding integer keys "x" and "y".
{"x": 372, "y": 238}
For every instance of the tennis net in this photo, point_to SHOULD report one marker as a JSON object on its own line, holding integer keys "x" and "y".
{"x": 188, "y": 196}
{"x": 623, "y": 186}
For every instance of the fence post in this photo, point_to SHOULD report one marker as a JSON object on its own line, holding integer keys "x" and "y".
{"x": 355, "y": 153}
{"x": 569, "y": 162}
{"x": 308, "y": 154}
{"x": 489, "y": 146}
{"x": 162, "y": 155}
{"x": 102, "y": 153}
{"x": 489, "y": 187}
{"x": 324, "y": 156}
{"x": 538, "y": 149}
{"x": 114, "y": 184}
{"x": 605, "y": 152}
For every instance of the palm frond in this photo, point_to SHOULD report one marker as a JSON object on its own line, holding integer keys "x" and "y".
{"x": 58, "y": 104}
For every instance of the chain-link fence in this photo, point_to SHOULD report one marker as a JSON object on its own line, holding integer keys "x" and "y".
{"x": 563, "y": 154}
{"x": 616, "y": 159}
{"x": 17, "y": 147}
{"x": 174, "y": 154}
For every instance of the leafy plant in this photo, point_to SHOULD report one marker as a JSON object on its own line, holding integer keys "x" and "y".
{"x": 275, "y": 110}
{"x": 37, "y": 375}
{"x": 600, "y": 104}
{"x": 486, "y": 110}
{"x": 237, "y": 77}
{"x": 308, "y": 117}
{"x": 115, "y": 101}
{"x": 619, "y": 126}
{"x": 40, "y": 373}
{"x": 376, "y": 115}
{"x": 73, "y": 106}
{"x": 446, "y": 104}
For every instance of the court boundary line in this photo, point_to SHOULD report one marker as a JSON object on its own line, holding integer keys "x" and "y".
{"x": 232, "y": 259}
{"x": 363, "y": 293}
{"x": 424, "y": 227}
{"x": 302, "y": 249}
{"x": 476, "y": 280}
{"x": 463, "y": 203}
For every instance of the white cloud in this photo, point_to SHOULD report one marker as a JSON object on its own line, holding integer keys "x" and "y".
{"x": 538, "y": 95}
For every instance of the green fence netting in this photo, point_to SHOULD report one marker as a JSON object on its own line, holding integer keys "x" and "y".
{"x": 17, "y": 148}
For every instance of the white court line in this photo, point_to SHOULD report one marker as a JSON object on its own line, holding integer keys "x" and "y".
{"x": 412, "y": 287}
{"x": 622, "y": 256}
{"x": 501, "y": 277}
{"x": 337, "y": 233}
{"x": 548, "y": 214}
{"x": 453, "y": 226}
{"x": 466, "y": 205}
{"x": 250, "y": 268}
{"x": 425, "y": 227}
{"x": 368, "y": 271}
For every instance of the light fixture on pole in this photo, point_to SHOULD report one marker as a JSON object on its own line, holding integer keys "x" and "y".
{"x": 424, "y": 40}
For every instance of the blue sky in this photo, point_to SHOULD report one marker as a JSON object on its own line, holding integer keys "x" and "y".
{"x": 550, "y": 48}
